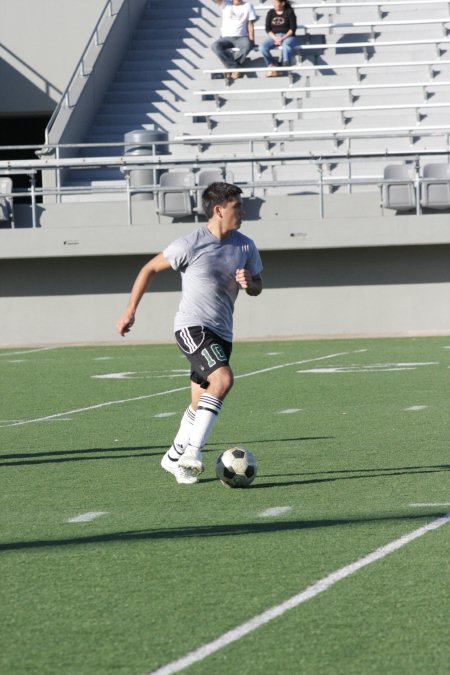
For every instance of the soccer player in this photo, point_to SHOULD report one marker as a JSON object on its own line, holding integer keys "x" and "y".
{"x": 215, "y": 261}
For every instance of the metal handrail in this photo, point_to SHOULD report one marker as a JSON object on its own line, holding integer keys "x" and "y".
{"x": 128, "y": 164}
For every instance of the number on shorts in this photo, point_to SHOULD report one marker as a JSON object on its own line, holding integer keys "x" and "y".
{"x": 218, "y": 353}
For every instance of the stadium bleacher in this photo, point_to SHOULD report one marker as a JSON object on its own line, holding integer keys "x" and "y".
{"x": 366, "y": 72}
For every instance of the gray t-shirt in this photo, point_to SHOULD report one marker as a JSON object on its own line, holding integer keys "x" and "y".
{"x": 208, "y": 266}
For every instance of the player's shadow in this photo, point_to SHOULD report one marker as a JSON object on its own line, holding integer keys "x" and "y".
{"x": 361, "y": 474}
{"x": 204, "y": 531}
{"x": 117, "y": 452}
{"x": 59, "y": 456}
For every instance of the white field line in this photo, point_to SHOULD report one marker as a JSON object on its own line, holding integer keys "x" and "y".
{"x": 275, "y": 511}
{"x": 432, "y": 504}
{"x": 310, "y": 592}
{"x": 97, "y": 406}
{"x": 87, "y": 517}
{"x": 30, "y": 351}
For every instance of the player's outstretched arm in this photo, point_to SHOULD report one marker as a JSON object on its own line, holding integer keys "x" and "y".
{"x": 252, "y": 284}
{"x": 143, "y": 279}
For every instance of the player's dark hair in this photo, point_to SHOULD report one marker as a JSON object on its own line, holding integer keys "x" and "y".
{"x": 218, "y": 194}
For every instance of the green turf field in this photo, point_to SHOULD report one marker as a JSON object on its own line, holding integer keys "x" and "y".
{"x": 352, "y": 443}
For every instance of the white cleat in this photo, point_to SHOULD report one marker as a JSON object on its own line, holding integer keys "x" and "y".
{"x": 182, "y": 475}
{"x": 185, "y": 476}
{"x": 191, "y": 463}
{"x": 169, "y": 465}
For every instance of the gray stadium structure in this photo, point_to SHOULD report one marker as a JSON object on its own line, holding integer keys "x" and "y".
{"x": 343, "y": 160}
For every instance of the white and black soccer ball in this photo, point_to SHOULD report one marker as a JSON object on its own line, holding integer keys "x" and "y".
{"x": 236, "y": 467}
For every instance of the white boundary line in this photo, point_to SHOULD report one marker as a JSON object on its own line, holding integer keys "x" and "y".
{"x": 97, "y": 406}
{"x": 31, "y": 351}
{"x": 310, "y": 592}
{"x": 87, "y": 517}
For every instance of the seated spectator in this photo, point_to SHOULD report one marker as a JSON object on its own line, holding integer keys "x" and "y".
{"x": 281, "y": 24}
{"x": 237, "y": 31}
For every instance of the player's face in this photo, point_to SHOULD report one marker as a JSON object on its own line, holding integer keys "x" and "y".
{"x": 232, "y": 214}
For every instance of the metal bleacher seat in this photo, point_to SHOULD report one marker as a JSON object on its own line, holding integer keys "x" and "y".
{"x": 176, "y": 201}
{"x": 435, "y": 186}
{"x": 6, "y": 202}
{"x": 398, "y": 189}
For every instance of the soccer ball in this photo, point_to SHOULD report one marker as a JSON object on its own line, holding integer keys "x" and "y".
{"x": 236, "y": 467}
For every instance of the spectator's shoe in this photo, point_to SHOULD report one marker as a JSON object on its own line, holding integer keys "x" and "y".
{"x": 270, "y": 72}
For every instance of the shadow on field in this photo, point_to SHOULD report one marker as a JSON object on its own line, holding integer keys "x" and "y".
{"x": 361, "y": 474}
{"x": 58, "y": 456}
{"x": 228, "y": 530}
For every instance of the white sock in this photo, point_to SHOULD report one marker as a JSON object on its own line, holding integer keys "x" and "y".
{"x": 207, "y": 410}
{"x": 181, "y": 440}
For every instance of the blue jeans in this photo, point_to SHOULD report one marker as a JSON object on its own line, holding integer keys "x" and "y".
{"x": 287, "y": 49}
{"x": 222, "y": 48}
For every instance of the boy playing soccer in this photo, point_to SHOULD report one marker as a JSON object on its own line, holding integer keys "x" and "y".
{"x": 215, "y": 261}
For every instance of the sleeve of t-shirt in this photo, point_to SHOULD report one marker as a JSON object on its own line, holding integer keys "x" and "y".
{"x": 177, "y": 253}
{"x": 254, "y": 263}
{"x": 251, "y": 13}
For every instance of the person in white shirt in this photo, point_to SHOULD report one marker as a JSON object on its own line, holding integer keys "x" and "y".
{"x": 237, "y": 31}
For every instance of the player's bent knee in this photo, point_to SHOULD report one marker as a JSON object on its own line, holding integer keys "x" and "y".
{"x": 221, "y": 381}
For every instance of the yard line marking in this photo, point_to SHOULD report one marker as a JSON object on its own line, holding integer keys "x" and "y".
{"x": 310, "y": 592}
{"x": 275, "y": 511}
{"x": 416, "y": 407}
{"x": 97, "y": 406}
{"x": 289, "y": 411}
{"x": 87, "y": 517}
{"x": 432, "y": 504}
{"x": 32, "y": 351}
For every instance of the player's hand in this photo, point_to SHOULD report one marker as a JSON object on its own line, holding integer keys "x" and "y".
{"x": 124, "y": 324}
{"x": 243, "y": 277}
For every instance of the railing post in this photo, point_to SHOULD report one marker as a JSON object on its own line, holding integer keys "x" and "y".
{"x": 33, "y": 198}
{"x": 127, "y": 175}
{"x": 417, "y": 186}
{"x": 321, "y": 197}
{"x": 58, "y": 177}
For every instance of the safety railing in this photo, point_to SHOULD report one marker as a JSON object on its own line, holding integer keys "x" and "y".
{"x": 260, "y": 165}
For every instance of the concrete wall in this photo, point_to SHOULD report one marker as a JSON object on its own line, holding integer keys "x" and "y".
{"x": 369, "y": 291}
{"x": 69, "y": 279}
{"x": 40, "y": 44}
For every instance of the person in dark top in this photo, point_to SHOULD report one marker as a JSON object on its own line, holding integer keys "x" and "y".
{"x": 281, "y": 24}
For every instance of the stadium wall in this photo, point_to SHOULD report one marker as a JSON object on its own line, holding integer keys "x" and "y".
{"x": 40, "y": 44}
{"x": 331, "y": 277}
{"x": 371, "y": 291}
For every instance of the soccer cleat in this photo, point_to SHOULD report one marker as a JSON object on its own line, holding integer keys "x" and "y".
{"x": 185, "y": 476}
{"x": 192, "y": 463}
{"x": 182, "y": 475}
{"x": 169, "y": 464}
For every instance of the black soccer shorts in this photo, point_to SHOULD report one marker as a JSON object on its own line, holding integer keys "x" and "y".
{"x": 204, "y": 350}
